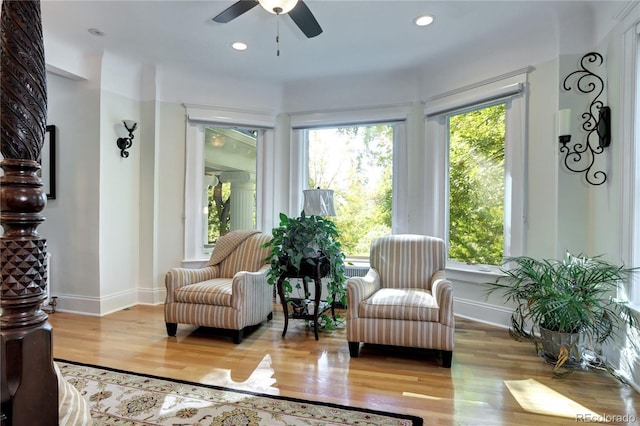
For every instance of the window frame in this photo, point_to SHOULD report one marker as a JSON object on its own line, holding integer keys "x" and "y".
{"x": 511, "y": 89}
{"x": 447, "y": 117}
{"x": 388, "y": 115}
{"x": 629, "y": 158}
{"x": 197, "y": 117}
{"x": 394, "y": 143}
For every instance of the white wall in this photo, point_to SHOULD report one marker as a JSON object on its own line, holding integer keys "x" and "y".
{"x": 149, "y": 287}
{"x": 73, "y": 219}
{"x": 192, "y": 86}
{"x": 543, "y": 162}
{"x": 92, "y": 225}
{"x": 171, "y": 165}
{"x": 119, "y": 205}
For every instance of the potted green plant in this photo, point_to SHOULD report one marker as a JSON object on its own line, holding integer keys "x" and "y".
{"x": 300, "y": 244}
{"x": 571, "y": 303}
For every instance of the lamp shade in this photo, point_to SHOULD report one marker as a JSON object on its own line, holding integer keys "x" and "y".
{"x": 318, "y": 202}
{"x": 130, "y": 124}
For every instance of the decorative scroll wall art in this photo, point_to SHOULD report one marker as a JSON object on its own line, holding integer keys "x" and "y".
{"x": 580, "y": 157}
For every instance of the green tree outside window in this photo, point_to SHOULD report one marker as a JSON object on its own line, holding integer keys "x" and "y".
{"x": 476, "y": 185}
{"x": 356, "y": 162}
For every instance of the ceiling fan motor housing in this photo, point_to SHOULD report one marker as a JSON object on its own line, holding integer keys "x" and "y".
{"x": 278, "y": 7}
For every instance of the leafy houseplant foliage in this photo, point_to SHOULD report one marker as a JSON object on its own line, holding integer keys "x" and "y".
{"x": 572, "y": 295}
{"x": 298, "y": 240}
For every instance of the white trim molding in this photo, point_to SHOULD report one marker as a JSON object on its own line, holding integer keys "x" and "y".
{"x": 230, "y": 116}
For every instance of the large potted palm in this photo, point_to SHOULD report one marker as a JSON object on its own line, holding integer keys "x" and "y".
{"x": 301, "y": 246}
{"x": 567, "y": 307}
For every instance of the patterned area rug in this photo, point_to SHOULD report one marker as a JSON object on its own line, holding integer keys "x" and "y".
{"x": 121, "y": 398}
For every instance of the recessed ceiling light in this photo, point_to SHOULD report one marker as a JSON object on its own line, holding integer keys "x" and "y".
{"x": 96, "y": 32}
{"x": 424, "y": 20}
{"x": 238, "y": 45}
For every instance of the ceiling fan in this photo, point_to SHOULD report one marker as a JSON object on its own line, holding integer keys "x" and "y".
{"x": 297, "y": 9}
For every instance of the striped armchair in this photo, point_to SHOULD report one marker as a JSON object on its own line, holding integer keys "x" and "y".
{"x": 230, "y": 292}
{"x": 405, "y": 298}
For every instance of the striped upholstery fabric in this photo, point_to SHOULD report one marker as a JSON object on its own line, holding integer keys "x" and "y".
{"x": 414, "y": 304}
{"x": 405, "y": 298}
{"x": 407, "y": 260}
{"x": 73, "y": 409}
{"x": 211, "y": 292}
{"x": 248, "y": 256}
{"x": 233, "y": 294}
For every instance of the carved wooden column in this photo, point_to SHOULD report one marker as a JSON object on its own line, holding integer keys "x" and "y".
{"x": 28, "y": 386}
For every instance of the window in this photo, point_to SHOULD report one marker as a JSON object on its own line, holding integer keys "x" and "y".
{"x": 476, "y": 140}
{"x": 476, "y": 185}
{"x": 230, "y": 181}
{"x": 356, "y": 162}
{"x": 362, "y": 155}
{"x": 223, "y": 179}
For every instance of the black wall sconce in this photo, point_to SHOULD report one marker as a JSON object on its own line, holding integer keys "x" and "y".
{"x": 580, "y": 157}
{"x": 125, "y": 143}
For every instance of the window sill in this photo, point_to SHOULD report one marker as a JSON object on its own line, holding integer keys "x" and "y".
{"x": 455, "y": 271}
{"x": 194, "y": 263}
{"x": 479, "y": 274}
{"x": 635, "y": 307}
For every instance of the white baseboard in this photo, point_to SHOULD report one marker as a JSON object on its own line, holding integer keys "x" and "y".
{"x": 83, "y": 305}
{"x": 151, "y": 296}
{"x": 99, "y": 306}
{"x": 485, "y": 313}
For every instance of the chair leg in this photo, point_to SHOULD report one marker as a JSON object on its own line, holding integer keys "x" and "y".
{"x": 446, "y": 358}
{"x": 172, "y": 328}
{"x": 270, "y": 316}
{"x": 237, "y": 336}
{"x": 354, "y": 349}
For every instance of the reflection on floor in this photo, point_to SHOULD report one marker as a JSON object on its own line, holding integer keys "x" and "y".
{"x": 437, "y": 398}
{"x": 535, "y": 397}
{"x": 261, "y": 380}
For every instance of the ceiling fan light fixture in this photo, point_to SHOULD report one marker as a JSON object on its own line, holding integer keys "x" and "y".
{"x": 278, "y": 7}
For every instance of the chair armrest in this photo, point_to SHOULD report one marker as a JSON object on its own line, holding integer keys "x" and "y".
{"x": 359, "y": 289}
{"x": 179, "y": 277}
{"x": 442, "y": 290}
{"x": 250, "y": 285}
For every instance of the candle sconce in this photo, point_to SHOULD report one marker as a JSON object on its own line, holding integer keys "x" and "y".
{"x": 125, "y": 143}
{"x": 580, "y": 157}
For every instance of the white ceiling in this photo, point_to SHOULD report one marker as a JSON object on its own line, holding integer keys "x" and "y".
{"x": 358, "y": 36}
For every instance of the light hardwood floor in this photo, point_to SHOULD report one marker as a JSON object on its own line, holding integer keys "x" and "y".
{"x": 472, "y": 392}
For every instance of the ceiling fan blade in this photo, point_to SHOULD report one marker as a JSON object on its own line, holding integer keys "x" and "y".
{"x": 235, "y": 10}
{"x": 305, "y": 20}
